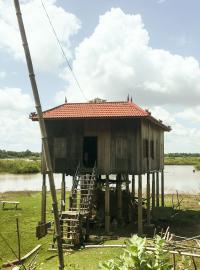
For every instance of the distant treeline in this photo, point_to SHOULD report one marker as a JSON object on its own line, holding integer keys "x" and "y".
{"x": 182, "y": 155}
{"x": 23, "y": 154}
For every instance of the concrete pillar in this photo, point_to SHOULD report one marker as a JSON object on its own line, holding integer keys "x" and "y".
{"x": 140, "y": 223}
{"x": 157, "y": 190}
{"x": 148, "y": 200}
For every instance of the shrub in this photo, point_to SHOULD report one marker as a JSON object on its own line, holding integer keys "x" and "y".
{"x": 136, "y": 256}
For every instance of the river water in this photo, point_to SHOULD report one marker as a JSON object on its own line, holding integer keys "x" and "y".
{"x": 181, "y": 178}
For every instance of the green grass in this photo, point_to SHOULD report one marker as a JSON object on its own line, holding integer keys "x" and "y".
{"x": 19, "y": 166}
{"x": 185, "y": 223}
{"x": 29, "y": 215}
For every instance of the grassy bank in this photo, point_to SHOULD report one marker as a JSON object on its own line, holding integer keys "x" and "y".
{"x": 19, "y": 166}
{"x": 185, "y": 223}
{"x": 189, "y": 160}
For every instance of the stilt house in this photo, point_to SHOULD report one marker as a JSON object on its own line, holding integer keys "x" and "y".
{"x": 117, "y": 138}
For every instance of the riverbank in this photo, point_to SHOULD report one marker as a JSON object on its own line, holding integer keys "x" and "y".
{"x": 186, "y": 223}
{"x": 184, "y": 160}
{"x": 19, "y": 166}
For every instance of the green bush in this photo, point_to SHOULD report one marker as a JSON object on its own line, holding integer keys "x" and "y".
{"x": 137, "y": 257}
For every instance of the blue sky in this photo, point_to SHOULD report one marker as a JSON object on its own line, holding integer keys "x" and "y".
{"x": 148, "y": 48}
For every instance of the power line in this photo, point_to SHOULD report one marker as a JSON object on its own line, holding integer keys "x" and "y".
{"x": 62, "y": 50}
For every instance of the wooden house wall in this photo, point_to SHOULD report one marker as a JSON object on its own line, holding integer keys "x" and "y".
{"x": 120, "y": 145}
{"x": 155, "y": 138}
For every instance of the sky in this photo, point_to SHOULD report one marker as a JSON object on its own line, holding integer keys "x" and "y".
{"x": 145, "y": 48}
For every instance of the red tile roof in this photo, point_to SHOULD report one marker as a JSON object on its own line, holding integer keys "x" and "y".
{"x": 96, "y": 110}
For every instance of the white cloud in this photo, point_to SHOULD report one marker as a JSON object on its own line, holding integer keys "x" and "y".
{"x": 17, "y": 131}
{"x": 44, "y": 48}
{"x": 117, "y": 59}
{"x": 161, "y": 1}
{"x": 190, "y": 114}
{"x": 183, "y": 137}
{"x": 2, "y": 74}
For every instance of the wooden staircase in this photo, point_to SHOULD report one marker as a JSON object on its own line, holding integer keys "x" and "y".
{"x": 74, "y": 222}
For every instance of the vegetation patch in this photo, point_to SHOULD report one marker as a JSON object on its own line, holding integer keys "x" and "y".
{"x": 19, "y": 166}
{"x": 183, "y": 159}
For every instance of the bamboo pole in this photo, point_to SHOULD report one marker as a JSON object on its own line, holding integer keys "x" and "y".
{"x": 43, "y": 133}
{"x": 140, "y": 224}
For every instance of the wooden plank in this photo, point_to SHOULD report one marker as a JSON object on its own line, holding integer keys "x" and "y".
{"x": 24, "y": 258}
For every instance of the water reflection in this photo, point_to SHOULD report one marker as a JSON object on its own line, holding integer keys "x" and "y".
{"x": 181, "y": 178}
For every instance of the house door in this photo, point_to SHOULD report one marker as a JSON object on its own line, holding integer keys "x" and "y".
{"x": 89, "y": 151}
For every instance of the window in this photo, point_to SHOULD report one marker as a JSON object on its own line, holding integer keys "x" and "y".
{"x": 145, "y": 148}
{"x": 152, "y": 149}
{"x": 60, "y": 147}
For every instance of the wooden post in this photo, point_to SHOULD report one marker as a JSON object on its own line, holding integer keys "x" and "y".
{"x": 43, "y": 206}
{"x": 153, "y": 193}
{"x": 63, "y": 193}
{"x": 148, "y": 200}
{"x": 140, "y": 223}
{"x": 157, "y": 189}
{"x": 119, "y": 197}
{"x": 18, "y": 241}
{"x": 107, "y": 206}
{"x": 133, "y": 187}
{"x": 43, "y": 133}
{"x": 127, "y": 183}
{"x": 162, "y": 189}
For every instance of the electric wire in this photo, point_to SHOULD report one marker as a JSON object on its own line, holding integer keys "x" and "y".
{"x": 63, "y": 52}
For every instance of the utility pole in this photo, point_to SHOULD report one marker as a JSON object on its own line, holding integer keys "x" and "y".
{"x": 43, "y": 133}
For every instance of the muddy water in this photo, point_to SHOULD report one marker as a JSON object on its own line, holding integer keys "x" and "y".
{"x": 181, "y": 178}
